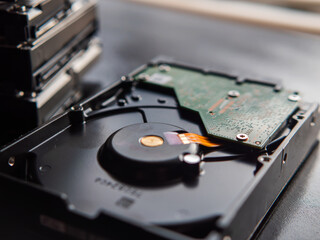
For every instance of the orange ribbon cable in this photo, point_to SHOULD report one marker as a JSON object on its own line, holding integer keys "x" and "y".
{"x": 187, "y": 138}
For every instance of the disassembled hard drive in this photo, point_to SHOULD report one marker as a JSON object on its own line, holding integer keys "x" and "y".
{"x": 169, "y": 152}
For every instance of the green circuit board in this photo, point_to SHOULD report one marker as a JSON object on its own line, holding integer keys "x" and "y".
{"x": 250, "y": 112}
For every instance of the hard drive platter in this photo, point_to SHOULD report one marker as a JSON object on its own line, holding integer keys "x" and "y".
{"x": 175, "y": 152}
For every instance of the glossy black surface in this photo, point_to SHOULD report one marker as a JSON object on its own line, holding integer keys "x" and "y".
{"x": 170, "y": 201}
{"x": 126, "y": 157}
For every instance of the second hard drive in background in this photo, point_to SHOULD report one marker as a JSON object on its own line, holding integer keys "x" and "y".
{"x": 45, "y": 47}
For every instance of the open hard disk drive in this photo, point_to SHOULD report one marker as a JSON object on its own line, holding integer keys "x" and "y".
{"x": 169, "y": 152}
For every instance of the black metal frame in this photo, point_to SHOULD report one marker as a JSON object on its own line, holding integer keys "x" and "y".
{"x": 51, "y": 209}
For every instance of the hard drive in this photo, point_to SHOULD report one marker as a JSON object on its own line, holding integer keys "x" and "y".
{"x": 25, "y": 21}
{"x": 29, "y": 65}
{"x": 61, "y": 92}
{"x": 169, "y": 152}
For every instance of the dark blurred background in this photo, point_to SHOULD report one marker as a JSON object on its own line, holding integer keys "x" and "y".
{"x": 132, "y": 34}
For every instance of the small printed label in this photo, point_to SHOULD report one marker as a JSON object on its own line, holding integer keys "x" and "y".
{"x": 160, "y": 78}
{"x": 125, "y": 202}
{"x": 69, "y": 230}
{"x": 133, "y": 192}
{"x": 172, "y": 138}
{"x": 52, "y": 223}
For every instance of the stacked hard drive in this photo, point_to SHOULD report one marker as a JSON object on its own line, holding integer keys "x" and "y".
{"x": 45, "y": 47}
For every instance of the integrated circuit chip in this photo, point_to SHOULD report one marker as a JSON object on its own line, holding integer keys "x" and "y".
{"x": 249, "y": 112}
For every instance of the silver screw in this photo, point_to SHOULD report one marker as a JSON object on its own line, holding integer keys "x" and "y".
{"x": 11, "y": 161}
{"x": 242, "y": 137}
{"x": 44, "y": 168}
{"x": 294, "y": 97}
{"x": 77, "y": 107}
{"x": 144, "y": 77}
{"x": 20, "y": 94}
{"x": 264, "y": 159}
{"x": 164, "y": 68}
{"x": 23, "y": 8}
{"x": 233, "y": 93}
{"x": 191, "y": 158}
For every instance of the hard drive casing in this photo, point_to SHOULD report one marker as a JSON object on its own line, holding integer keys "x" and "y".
{"x": 55, "y": 97}
{"x": 28, "y": 66}
{"x": 46, "y": 210}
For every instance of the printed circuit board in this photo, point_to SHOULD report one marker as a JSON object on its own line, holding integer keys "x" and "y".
{"x": 249, "y": 112}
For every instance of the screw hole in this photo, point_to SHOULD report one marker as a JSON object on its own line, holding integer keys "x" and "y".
{"x": 284, "y": 160}
{"x": 11, "y": 161}
{"x": 264, "y": 159}
{"x": 313, "y": 122}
